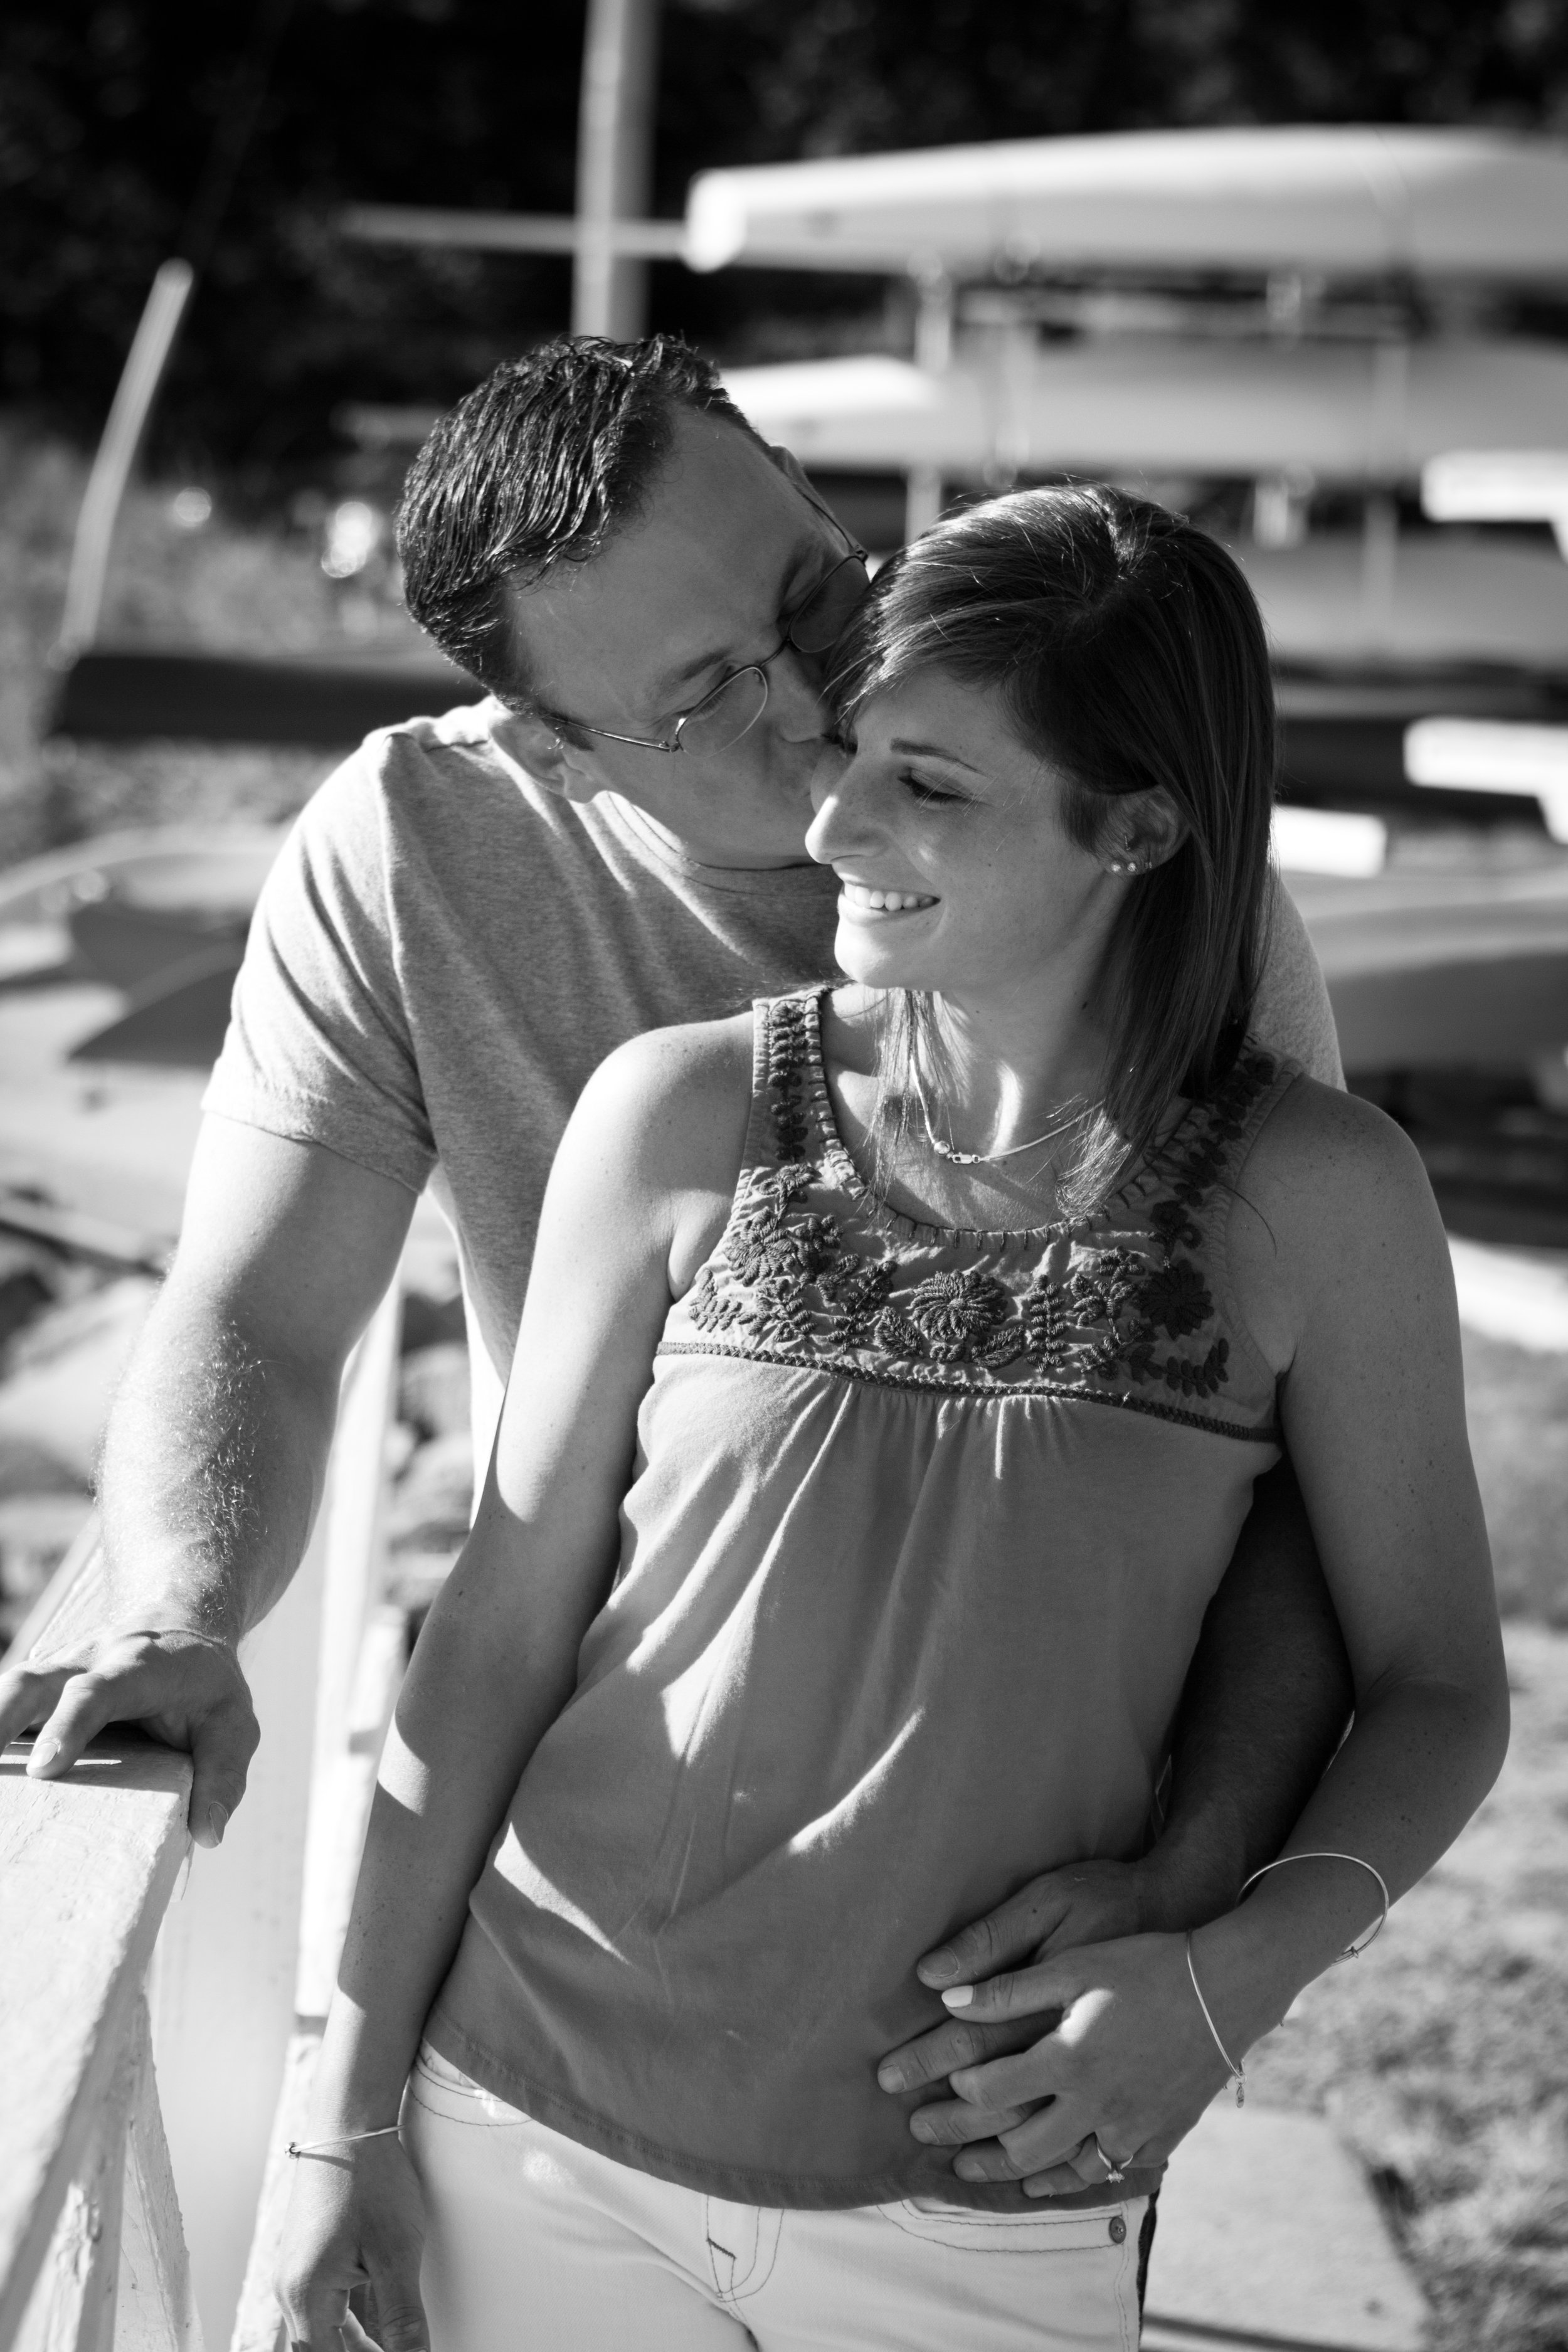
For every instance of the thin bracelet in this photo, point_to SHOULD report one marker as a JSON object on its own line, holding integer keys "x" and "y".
{"x": 1237, "y": 2073}
{"x": 1353, "y": 1950}
{"x": 343, "y": 2139}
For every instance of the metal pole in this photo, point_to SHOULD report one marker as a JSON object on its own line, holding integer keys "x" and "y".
{"x": 933, "y": 353}
{"x": 922, "y": 501}
{"x": 614, "y": 164}
{"x": 134, "y": 398}
{"x": 933, "y": 318}
{"x": 154, "y": 338}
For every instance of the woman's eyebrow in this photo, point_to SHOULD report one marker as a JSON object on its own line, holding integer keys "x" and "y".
{"x": 933, "y": 751}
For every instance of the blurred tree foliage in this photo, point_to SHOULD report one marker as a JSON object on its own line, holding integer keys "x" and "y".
{"x": 107, "y": 109}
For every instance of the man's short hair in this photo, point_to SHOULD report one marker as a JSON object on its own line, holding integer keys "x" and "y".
{"x": 537, "y": 466}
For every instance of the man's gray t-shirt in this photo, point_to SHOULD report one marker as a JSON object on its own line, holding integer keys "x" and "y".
{"x": 445, "y": 951}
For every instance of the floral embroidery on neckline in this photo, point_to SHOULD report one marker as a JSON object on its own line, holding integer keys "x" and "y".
{"x": 812, "y": 1265}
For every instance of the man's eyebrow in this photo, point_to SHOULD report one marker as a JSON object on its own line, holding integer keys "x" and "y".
{"x": 674, "y": 679}
{"x": 933, "y": 751}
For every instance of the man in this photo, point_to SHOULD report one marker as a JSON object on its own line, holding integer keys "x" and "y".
{"x": 470, "y": 914}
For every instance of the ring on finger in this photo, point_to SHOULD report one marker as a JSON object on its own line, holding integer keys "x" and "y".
{"x": 1113, "y": 2171}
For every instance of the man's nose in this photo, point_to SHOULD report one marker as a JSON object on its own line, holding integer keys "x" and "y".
{"x": 797, "y": 706}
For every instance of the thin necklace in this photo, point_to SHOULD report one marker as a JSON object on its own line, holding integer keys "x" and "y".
{"x": 985, "y": 1158}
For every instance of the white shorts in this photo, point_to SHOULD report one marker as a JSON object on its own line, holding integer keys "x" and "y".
{"x": 536, "y": 2244}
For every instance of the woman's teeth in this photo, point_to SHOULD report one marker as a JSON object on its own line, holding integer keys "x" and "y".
{"x": 883, "y": 902}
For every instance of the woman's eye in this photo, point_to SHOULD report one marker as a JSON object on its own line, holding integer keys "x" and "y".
{"x": 926, "y": 795}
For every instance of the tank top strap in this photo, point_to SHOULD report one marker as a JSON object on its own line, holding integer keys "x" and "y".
{"x": 1276, "y": 1074}
{"x": 785, "y": 1126}
{"x": 1205, "y": 1150}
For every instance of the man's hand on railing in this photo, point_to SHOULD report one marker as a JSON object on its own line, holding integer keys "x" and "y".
{"x": 185, "y": 1687}
{"x": 356, "y": 2219}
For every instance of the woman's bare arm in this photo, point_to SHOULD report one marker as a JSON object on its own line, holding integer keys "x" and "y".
{"x": 647, "y": 1166}
{"x": 1347, "y": 1269}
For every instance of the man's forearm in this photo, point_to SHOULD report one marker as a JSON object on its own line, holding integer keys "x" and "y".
{"x": 1264, "y": 1709}
{"x": 214, "y": 1463}
{"x": 215, "y": 1458}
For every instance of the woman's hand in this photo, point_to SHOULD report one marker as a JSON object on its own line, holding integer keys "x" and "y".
{"x": 1131, "y": 2061}
{"x": 356, "y": 2219}
{"x": 1081, "y": 1904}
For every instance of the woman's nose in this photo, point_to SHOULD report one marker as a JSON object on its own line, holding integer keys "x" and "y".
{"x": 839, "y": 825}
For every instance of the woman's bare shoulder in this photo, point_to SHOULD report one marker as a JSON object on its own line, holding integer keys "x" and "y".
{"x": 674, "y": 1102}
{"x": 1320, "y": 1135}
{"x": 689, "y": 1053}
{"x": 1333, "y": 1199}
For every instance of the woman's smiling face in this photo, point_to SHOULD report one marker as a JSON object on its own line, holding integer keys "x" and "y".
{"x": 957, "y": 873}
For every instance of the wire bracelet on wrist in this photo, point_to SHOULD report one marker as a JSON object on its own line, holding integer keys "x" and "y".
{"x": 1353, "y": 1950}
{"x": 340, "y": 2139}
{"x": 1237, "y": 2073}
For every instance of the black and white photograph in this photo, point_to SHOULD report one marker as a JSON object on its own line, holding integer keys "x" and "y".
{"x": 784, "y": 1176}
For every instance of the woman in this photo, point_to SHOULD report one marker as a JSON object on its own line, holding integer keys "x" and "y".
{"x": 896, "y": 1368}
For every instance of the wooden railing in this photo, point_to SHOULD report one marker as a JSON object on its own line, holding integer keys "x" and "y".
{"x": 92, "y": 2251}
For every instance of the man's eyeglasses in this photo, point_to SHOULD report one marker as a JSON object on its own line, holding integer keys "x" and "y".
{"x": 738, "y": 701}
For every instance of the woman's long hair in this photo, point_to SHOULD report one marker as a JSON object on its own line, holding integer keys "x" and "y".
{"x": 1130, "y": 652}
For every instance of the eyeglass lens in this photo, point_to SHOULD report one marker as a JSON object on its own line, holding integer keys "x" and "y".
{"x": 729, "y": 712}
{"x": 828, "y": 611}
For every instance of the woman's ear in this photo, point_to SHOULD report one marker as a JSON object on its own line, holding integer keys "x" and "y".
{"x": 1143, "y": 831}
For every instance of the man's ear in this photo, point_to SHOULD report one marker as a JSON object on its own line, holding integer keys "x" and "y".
{"x": 790, "y": 466}
{"x": 793, "y": 472}
{"x": 560, "y": 767}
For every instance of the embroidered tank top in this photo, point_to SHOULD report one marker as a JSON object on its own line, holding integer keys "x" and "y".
{"x": 920, "y": 1531}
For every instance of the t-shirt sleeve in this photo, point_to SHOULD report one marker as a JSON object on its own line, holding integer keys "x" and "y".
{"x": 318, "y": 1048}
{"x": 1293, "y": 1015}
